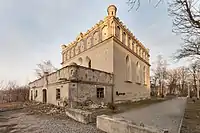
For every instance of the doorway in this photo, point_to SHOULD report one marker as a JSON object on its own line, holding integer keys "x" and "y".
{"x": 31, "y": 95}
{"x": 44, "y": 91}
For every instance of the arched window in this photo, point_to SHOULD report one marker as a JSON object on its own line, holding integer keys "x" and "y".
{"x": 89, "y": 62}
{"x": 72, "y": 52}
{"x": 124, "y": 38}
{"x": 96, "y": 38}
{"x": 80, "y": 60}
{"x": 137, "y": 72}
{"x": 82, "y": 46}
{"x": 89, "y": 42}
{"x": 128, "y": 69}
{"x": 117, "y": 32}
{"x": 104, "y": 32}
{"x": 144, "y": 75}
{"x": 129, "y": 42}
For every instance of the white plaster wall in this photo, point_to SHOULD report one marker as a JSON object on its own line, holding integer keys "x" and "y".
{"x": 101, "y": 56}
{"x": 132, "y": 90}
{"x": 51, "y": 93}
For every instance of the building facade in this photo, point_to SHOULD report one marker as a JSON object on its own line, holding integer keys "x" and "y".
{"x": 109, "y": 48}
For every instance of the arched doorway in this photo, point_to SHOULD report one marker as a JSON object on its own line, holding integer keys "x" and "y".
{"x": 44, "y": 93}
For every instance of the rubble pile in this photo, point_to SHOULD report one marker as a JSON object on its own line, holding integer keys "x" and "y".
{"x": 41, "y": 108}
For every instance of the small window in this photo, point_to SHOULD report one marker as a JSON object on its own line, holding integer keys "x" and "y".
{"x": 100, "y": 92}
{"x": 57, "y": 94}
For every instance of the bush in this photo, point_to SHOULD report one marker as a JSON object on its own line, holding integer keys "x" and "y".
{"x": 112, "y": 106}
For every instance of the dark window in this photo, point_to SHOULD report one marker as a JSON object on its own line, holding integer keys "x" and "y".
{"x": 118, "y": 28}
{"x": 100, "y": 92}
{"x": 31, "y": 95}
{"x": 89, "y": 64}
{"x": 57, "y": 94}
{"x": 36, "y": 93}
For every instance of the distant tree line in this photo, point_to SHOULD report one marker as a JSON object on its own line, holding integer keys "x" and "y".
{"x": 11, "y": 92}
{"x": 175, "y": 81}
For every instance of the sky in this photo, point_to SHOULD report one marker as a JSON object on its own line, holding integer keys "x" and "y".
{"x": 33, "y": 30}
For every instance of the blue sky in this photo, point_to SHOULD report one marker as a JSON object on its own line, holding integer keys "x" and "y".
{"x": 33, "y": 30}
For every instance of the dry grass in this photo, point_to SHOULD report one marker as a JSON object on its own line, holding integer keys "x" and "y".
{"x": 191, "y": 120}
{"x": 9, "y": 105}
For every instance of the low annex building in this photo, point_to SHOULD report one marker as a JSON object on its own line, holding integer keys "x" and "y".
{"x": 105, "y": 64}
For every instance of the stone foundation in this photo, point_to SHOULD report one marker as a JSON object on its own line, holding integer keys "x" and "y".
{"x": 80, "y": 115}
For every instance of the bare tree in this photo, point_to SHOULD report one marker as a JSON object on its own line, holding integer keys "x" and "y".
{"x": 172, "y": 79}
{"x": 160, "y": 73}
{"x": 136, "y": 3}
{"x": 186, "y": 16}
{"x": 14, "y": 93}
{"x": 194, "y": 72}
{"x": 190, "y": 48}
{"x": 183, "y": 74}
{"x": 45, "y": 66}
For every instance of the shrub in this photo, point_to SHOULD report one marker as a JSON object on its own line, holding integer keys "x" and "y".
{"x": 112, "y": 106}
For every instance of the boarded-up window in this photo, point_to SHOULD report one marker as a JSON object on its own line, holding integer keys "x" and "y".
{"x": 82, "y": 46}
{"x": 104, "y": 33}
{"x": 72, "y": 52}
{"x": 117, "y": 32}
{"x": 100, "y": 92}
{"x": 89, "y": 42}
{"x": 57, "y": 94}
{"x": 124, "y": 38}
{"x": 96, "y": 38}
{"x": 77, "y": 49}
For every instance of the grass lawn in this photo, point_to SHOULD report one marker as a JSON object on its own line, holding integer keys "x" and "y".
{"x": 191, "y": 120}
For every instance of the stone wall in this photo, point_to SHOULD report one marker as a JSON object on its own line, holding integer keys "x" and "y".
{"x": 87, "y": 93}
{"x": 76, "y": 83}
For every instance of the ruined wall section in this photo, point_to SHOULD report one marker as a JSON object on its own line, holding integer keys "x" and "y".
{"x": 76, "y": 83}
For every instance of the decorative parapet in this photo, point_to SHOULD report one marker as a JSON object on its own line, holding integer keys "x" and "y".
{"x": 101, "y": 31}
{"x": 75, "y": 73}
{"x": 121, "y": 24}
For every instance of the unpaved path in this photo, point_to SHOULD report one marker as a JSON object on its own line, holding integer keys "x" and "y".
{"x": 164, "y": 115}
